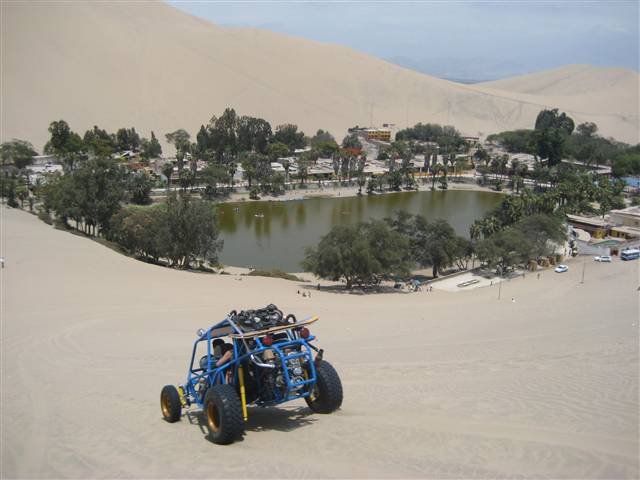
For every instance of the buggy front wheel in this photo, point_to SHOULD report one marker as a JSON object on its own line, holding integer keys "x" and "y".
{"x": 223, "y": 414}
{"x": 326, "y": 394}
{"x": 170, "y": 404}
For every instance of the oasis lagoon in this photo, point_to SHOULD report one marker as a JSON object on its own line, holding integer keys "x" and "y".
{"x": 274, "y": 234}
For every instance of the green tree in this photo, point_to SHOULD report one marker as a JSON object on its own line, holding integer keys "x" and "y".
{"x": 90, "y": 195}
{"x": 140, "y": 230}
{"x": 321, "y": 137}
{"x": 543, "y": 233}
{"x": 186, "y": 179}
{"x": 249, "y": 164}
{"x": 151, "y": 148}
{"x": 180, "y": 140}
{"x": 551, "y": 119}
{"x": 253, "y": 134}
{"x": 361, "y": 255}
{"x": 515, "y": 141}
{"x": 127, "y": 139}
{"x": 19, "y": 153}
{"x": 99, "y": 142}
{"x": 434, "y": 244}
{"x": 290, "y": 136}
{"x": 212, "y": 177}
{"x": 372, "y": 184}
{"x": 303, "y": 169}
{"x": 139, "y": 187}
{"x": 167, "y": 171}
{"x": 277, "y": 150}
{"x": 192, "y": 232}
{"x": 362, "y": 181}
{"x": 504, "y": 250}
{"x": 551, "y": 133}
{"x": 351, "y": 141}
{"x": 65, "y": 144}
{"x": 587, "y": 129}
{"x": 182, "y": 230}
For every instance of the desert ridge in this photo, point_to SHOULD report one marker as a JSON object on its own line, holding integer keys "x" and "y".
{"x": 152, "y": 66}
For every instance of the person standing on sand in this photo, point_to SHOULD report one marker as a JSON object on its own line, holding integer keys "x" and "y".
{"x": 2, "y": 261}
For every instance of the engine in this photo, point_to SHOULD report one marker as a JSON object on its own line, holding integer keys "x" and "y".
{"x": 274, "y": 384}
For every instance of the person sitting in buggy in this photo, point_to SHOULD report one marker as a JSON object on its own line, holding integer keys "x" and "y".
{"x": 222, "y": 352}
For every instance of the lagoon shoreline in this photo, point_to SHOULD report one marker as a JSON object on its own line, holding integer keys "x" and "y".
{"x": 334, "y": 190}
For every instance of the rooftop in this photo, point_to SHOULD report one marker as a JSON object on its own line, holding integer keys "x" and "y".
{"x": 632, "y": 211}
{"x": 598, "y": 222}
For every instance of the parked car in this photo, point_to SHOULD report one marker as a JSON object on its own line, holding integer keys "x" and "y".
{"x": 603, "y": 258}
{"x": 561, "y": 269}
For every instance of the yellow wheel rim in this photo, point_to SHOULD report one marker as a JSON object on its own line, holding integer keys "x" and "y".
{"x": 164, "y": 403}
{"x": 212, "y": 417}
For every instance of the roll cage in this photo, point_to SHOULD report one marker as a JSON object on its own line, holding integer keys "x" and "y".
{"x": 247, "y": 347}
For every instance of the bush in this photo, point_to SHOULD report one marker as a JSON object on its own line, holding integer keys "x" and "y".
{"x": 275, "y": 273}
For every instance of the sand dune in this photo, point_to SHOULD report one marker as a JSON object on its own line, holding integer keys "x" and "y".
{"x": 570, "y": 80}
{"x": 151, "y": 66}
{"x": 437, "y": 385}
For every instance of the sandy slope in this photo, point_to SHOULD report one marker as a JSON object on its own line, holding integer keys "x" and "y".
{"x": 156, "y": 68}
{"x": 436, "y": 384}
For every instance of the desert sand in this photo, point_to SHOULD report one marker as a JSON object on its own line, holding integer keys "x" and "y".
{"x": 437, "y": 385}
{"x": 148, "y": 65}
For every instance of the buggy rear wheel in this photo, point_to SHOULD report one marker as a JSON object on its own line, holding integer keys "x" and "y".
{"x": 170, "y": 404}
{"x": 326, "y": 394}
{"x": 223, "y": 414}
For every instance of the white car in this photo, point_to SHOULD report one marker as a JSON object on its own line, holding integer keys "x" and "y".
{"x": 561, "y": 269}
{"x": 603, "y": 258}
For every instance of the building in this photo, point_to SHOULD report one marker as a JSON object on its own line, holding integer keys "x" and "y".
{"x": 42, "y": 160}
{"x": 598, "y": 169}
{"x": 380, "y": 134}
{"x": 596, "y": 227}
{"x": 472, "y": 141}
{"x": 626, "y": 217}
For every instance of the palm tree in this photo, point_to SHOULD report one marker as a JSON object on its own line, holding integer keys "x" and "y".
{"x": 435, "y": 169}
{"x": 232, "y": 173}
{"x": 362, "y": 181}
{"x": 287, "y": 166}
{"x": 167, "y": 171}
{"x": 490, "y": 225}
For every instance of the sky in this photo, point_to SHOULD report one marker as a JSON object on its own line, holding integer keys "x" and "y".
{"x": 453, "y": 39}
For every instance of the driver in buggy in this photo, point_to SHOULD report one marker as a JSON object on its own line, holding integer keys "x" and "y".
{"x": 222, "y": 352}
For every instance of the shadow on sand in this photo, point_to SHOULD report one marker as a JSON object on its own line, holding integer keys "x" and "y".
{"x": 340, "y": 289}
{"x": 262, "y": 419}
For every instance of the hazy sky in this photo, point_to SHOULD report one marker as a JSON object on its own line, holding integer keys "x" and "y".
{"x": 463, "y": 39}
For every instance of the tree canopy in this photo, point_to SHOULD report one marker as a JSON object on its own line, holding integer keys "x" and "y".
{"x": 361, "y": 255}
{"x": 182, "y": 231}
{"x": 18, "y": 153}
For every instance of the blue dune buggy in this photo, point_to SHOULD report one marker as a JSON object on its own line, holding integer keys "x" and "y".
{"x": 255, "y": 357}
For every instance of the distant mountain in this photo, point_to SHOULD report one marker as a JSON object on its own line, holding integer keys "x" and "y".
{"x": 151, "y": 66}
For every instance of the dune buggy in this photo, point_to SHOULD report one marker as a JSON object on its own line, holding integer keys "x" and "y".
{"x": 255, "y": 357}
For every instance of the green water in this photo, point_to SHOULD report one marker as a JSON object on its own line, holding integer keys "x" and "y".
{"x": 279, "y": 237}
